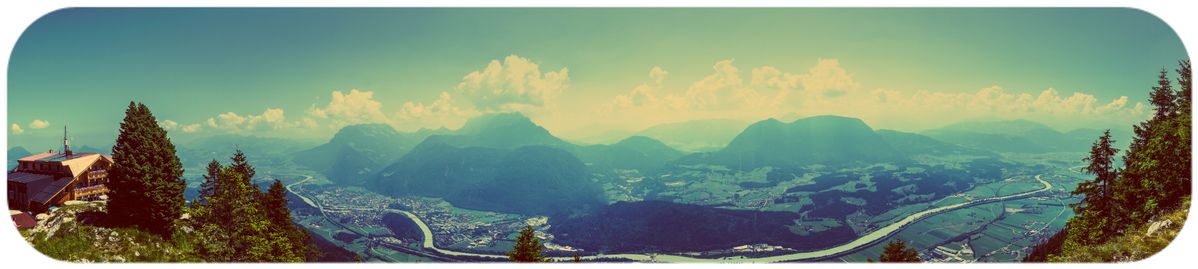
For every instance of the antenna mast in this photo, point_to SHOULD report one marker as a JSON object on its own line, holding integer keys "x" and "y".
{"x": 66, "y": 144}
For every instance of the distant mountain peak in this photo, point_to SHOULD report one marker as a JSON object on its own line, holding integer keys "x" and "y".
{"x": 498, "y": 130}
{"x": 833, "y": 119}
{"x": 766, "y": 122}
{"x": 825, "y": 139}
{"x": 366, "y": 129}
{"x": 493, "y": 121}
{"x": 637, "y": 139}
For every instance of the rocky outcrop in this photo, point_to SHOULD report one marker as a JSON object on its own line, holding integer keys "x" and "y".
{"x": 75, "y": 233}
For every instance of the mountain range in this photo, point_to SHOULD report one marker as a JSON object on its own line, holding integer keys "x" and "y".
{"x": 813, "y": 140}
{"x": 506, "y": 162}
{"x": 498, "y": 162}
{"x": 1019, "y": 136}
{"x": 358, "y": 151}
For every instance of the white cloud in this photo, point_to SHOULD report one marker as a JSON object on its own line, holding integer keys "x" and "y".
{"x": 514, "y": 84}
{"x": 270, "y": 119}
{"x": 442, "y": 106}
{"x": 16, "y": 129}
{"x": 997, "y": 100}
{"x": 1047, "y": 106}
{"x": 716, "y": 91}
{"x": 310, "y": 123}
{"x": 827, "y": 78}
{"x": 658, "y": 75}
{"x": 723, "y": 90}
{"x": 440, "y": 113}
{"x": 168, "y": 125}
{"x": 724, "y": 93}
{"x": 642, "y": 95}
{"x": 190, "y": 128}
{"x": 39, "y": 124}
{"x": 828, "y": 88}
{"x": 347, "y": 108}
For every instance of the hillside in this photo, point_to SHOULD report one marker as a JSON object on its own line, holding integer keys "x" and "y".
{"x": 437, "y": 170}
{"x": 358, "y": 151}
{"x": 831, "y": 140}
{"x": 500, "y": 130}
{"x": 916, "y": 144}
{"x": 638, "y": 152}
{"x": 77, "y": 233}
{"x": 1014, "y": 136}
{"x": 528, "y": 180}
{"x": 1137, "y": 244}
{"x": 72, "y": 234}
{"x": 536, "y": 180}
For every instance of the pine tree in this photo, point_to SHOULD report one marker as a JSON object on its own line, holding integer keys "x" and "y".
{"x": 275, "y": 203}
{"x": 241, "y": 224}
{"x": 244, "y": 233}
{"x": 242, "y": 166}
{"x": 1095, "y": 220}
{"x": 1157, "y": 166}
{"x": 146, "y": 179}
{"x": 1155, "y": 179}
{"x": 1185, "y": 78}
{"x": 527, "y": 248}
{"x": 209, "y": 186}
{"x": 1101, "y": 164}
{"x": 1163, "y": 97}
{"x": 898, "y": 251}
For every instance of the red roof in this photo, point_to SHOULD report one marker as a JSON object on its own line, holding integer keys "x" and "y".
{"x": 24, "y": 221}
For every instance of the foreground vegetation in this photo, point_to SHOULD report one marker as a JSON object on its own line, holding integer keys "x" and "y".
{"x": 148, "y": 220}
{"x": 74, "y": 233}
{"x": 1131, "y": 212}
{"x": 897, "y": 250}
{"x": 1134, "y": 244}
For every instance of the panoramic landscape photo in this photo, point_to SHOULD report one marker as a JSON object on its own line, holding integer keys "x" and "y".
{"x": 663, "y": 135}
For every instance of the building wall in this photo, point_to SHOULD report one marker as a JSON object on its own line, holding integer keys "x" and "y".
{"x": 18, "y": 196}
{"x": 89, "y": 185}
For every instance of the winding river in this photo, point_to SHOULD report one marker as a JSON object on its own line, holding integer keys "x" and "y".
{"x": 861, "y": 242}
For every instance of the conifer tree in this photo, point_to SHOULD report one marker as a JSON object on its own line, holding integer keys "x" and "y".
{"x": 242, "y": 166}
{"x": 146, "y": 179}
{"x": 1155, "y": 178}
{"x": 1163, "y": 97}
{"x": 1095, "y": 220}
{"x": 898, "y": 251}
{"x": 209, "y": 186}
{"x": 241, "y": 224}
{"x": 1101, "y": 163}
{"x": 527, "y": 248}
{"x": 275, "y": 204}
{"x": 1185, "y": 79}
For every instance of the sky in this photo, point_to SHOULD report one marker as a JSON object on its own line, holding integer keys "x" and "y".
{"x": 305, "y": 73}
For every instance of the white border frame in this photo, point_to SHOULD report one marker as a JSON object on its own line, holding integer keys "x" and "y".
{"x": 17, "y": 15}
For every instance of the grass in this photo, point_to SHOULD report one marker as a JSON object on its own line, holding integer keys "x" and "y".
{"x": 1134, "y": 245}
{"x": 79, "y": 242}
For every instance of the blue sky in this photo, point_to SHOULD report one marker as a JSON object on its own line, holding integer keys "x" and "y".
{"x": 304, "y": 73}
